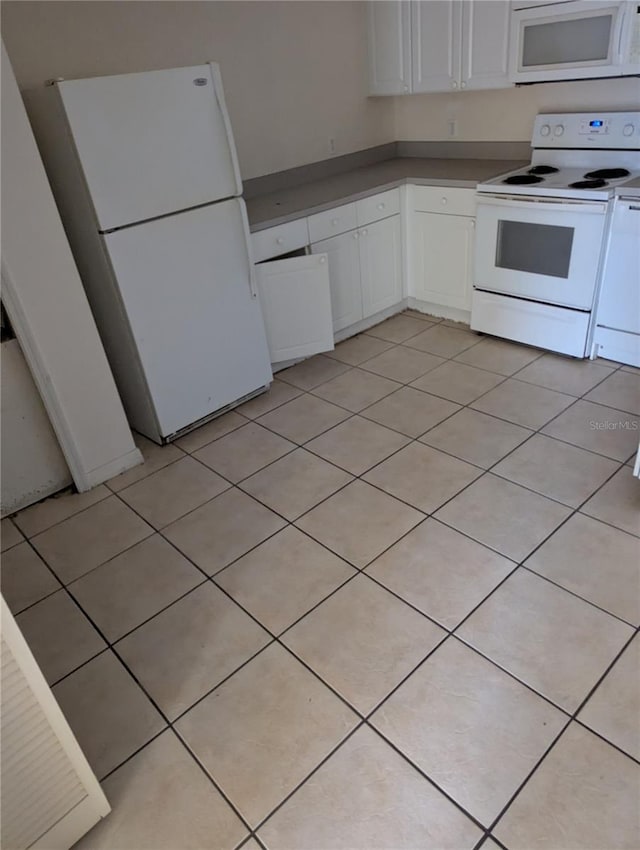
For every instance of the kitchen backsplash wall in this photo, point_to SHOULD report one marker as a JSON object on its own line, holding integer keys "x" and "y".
{"x": 506, "y": 114}
{"x": 295, "y": 73}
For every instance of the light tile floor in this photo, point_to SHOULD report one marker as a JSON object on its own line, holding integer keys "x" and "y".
{"x": 392, "y": 603}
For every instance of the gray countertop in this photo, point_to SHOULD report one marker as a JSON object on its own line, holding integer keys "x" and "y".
{"x": 630, "y": 189}
{"x": 274, "y": 208}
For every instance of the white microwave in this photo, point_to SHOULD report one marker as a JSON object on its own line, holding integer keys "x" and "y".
{"x": 575, "y": 39}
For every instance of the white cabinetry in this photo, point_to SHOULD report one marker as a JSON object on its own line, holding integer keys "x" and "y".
{"x": 354, "y": 271}
{"x": 435, "y": 44}
{"x": 50, "y": 796}
{"x": 381, "y": 265}
{"x": 365, "y": 264}
{"x": 294, "y": 292}
{"x": 484, "y": 58}
{"x": 441, "y": 246}
{"x": 343, "y": 253}
{"x": 453, "y": 45}
{"x": 296, "y": 305}
{"x": 389, "y": 34}
{"x": 351, "y": 274}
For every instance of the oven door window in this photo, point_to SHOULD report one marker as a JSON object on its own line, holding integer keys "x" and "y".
{"x": 543, "y": 249}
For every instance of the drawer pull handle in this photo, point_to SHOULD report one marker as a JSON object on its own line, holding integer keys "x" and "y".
{"x": 443, "y": 200}
{"x": 381, "y": 206}
{"x": 279, "y": 241}
{"x": 334, "y": 221}
{"x": 364, "y": 232}
{"x": 463, "y": 85}
{"x": 323, "y": 259}
{"x": 356, "y": 235}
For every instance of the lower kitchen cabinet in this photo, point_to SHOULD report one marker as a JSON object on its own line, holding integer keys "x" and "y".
{"x": 381, "y": 265}
{"x": 365, "y": 270}
{"x": 343, "y": 253}
{"x": 441, "y": 241}
{"x": 294, "y": 295}
{"x": 355, "y": 268}
{"x": 442, "y": 259}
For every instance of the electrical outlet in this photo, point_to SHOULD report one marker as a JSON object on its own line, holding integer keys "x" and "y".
{"x": 452, "y": 128}
{"x": 332, "y": 144}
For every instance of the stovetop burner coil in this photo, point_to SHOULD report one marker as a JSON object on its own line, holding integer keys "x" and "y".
{"x": 543, "y": 169}
{"x": 607, "y": 173}
{"x": 522, "y": 179}
{"x": 588, "y": 184}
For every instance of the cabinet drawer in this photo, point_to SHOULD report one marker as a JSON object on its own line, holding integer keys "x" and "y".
{"x": 444, "y": 199}
{"x": 279, "y": 240}
{"x": 378, "y": 206}
{"x": 332, "y": 222}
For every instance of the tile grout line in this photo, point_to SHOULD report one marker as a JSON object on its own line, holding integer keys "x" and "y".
{"x": 352, "y": 414}
{"x": 358, "y": 570}
{"x": 572, "y": 719}
{"x": 170, "y": 723}
{"x": 351, "y": 367}
{"x": 322, "y": 544}
{"x": 292, "y": 522}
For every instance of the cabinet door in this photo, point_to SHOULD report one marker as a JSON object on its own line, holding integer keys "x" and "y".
{"x": 296, "y": 305}
{"x": 485, "y": 44}
{"x": 619, "y": 305}
{"x": 442, "y": 259}
{"x": 50, "y": 796}
{"x": 436, "y": 30}
{"x": 381, "y": 265}
{"x": 344, "y": 277}
{"x": 389, "y": 31}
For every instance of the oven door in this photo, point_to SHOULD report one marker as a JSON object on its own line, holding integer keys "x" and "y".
{"x": 567, "y": 41}
{"x": 542, "y": 250}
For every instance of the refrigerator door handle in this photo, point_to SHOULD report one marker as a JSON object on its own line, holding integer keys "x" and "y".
{"x": 253, "y": 285}
{"x": 219, "y": 93}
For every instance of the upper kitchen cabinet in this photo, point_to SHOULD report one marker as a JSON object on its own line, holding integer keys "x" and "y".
{"x": 389, "y": 29}
{"x": 452, "y": 44}
{"x": 485, "y": 45}
{"x": 436, "y": 28}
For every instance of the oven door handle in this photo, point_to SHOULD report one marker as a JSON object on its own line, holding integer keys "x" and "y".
{"x": 551, "y": 204}
{"x": 617, "y": 36}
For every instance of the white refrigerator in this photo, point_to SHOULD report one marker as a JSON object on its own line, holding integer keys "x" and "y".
{"x": 145, "y": 173}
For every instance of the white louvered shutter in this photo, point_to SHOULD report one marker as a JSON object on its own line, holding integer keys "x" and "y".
{"x": 49, "y": 794}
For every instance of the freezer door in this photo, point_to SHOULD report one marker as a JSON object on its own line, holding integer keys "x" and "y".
{"x": 185, "y": 284}
{"x": 152, "y": 143}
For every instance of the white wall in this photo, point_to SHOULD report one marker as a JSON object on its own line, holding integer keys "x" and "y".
{"x": 49, "y": 311}
{"x": 295, "y": 73}
{"x": 506, "y": 114}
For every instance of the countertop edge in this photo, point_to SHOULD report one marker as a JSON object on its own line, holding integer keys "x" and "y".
{"x": 357, "y": 196}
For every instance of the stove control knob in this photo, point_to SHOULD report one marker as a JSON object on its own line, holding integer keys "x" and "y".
{"x": 628, "y": 129}
{"x": 545, "y": 130}
{"x": 558, "y": 130}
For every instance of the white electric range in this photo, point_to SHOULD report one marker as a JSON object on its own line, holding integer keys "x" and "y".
{"x": 541, "y": 230}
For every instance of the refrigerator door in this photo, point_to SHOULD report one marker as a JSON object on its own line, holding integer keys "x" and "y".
{"x": 186, "y": 287}
{"x": 152, "y": 143}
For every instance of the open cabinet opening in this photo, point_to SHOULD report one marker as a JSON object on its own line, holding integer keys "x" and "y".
{"x": 298, "y": 252}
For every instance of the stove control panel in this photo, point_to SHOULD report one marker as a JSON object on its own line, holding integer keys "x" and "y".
{"x": 598, "y": 126}
{"x": 587, "y": 130}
